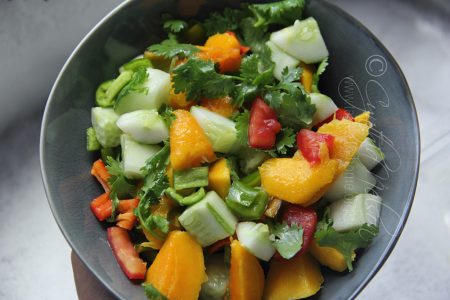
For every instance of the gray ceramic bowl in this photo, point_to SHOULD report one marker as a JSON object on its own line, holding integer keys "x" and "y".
{"x": 362, "y": 76}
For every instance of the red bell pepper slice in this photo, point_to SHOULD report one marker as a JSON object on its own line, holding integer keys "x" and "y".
{"x": 126, "y": 217}
{"x": 101, "y": 173}
{"x": 219, "y": 245}
{"x": 306, "y": 218}
{"x": 264, "y": 125}
{"x": 127, "y": 257}
{"x": 339, "y": 114}
{"x": 102, "y": 207}
{"x": 308, "y": 142}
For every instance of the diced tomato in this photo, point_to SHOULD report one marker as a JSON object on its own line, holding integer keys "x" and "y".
{"x": 264, "y": 125}
{"x": 101, "y": 173}
{"x": 343, "y": 114}
{"x": 126, "y": 217}
{"x": 102, "y": 207}
{"x": 308, "y": 142}
{"x": 127, "y": 257}
{"x": 306, "y": 218}
{"x": 219, "y": 245}
{"x": 339, "y": 114}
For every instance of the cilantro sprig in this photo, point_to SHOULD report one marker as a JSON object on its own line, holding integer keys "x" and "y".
{"x": 283, "y": 12}
{"x": 121, "y": 187}
{"x": 286, "y": 239}
{"x": 170, "y": 48}
{"x": 135, "y": 85}
{"x": 344, "y": 242}
{"x": 152, "y": 293}
{"x": 155, "y": 182}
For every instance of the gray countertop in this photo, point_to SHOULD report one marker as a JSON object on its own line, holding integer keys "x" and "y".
{"x": 37, "y": 36}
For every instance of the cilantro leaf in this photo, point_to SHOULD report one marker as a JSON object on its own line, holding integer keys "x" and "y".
{"x": 228, "y": 20}
{"x": 172, "y": 25}
{"x": 120, "y": 185}
{"x": 254, "y": 37}
{"x": 344, "y": 242}
{"x": 242, "y": 122}
{"x": 170, "y": 48}
{"x": 166, "y": 113}
{"x": 258, "y": 67}
{"x": 199, "y": 79}
{"x": 320, "y": 70}
{"x": 284, "y": 12}
{"x": 290, "y": 101}
{"x": 286, "y": 139}
{"x": 135, "y": 85}
{"x": 155, "y": 182}
{"x": 287, "y": 239}
{"x": 152, "y": 293}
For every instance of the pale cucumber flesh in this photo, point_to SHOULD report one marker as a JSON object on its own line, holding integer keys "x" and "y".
{"x": 134, "y": 156}
{"x": 255, "y": 237}
{"x": 325, "y": 107}
{"x": 104, "y": 123}
{"x": 281, "y": 59}
{"x": 144, "y": 126}
{"x": 369, "y": 154}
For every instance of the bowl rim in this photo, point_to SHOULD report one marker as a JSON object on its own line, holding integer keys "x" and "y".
{"x": 343, "y": 14}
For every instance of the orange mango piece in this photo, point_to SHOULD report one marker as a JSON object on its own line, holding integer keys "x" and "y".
{"x": 221, "y": 106}
{"x": 219, "y": 177}
{"x": 363, "y": 118}
{"x": 224, "y": 49}
{"x": 330, "y": 257}
{"x": 295, "y": 180}
{"x": 179, "y": 101}
{"x": 296, "y": 278}
{"x": 307, "y": 76}
{"x": 189, "y": 146}
{"x": 348, "y": 137}
{"x": 246, "y": 274}
{"x": 178, "y": 274}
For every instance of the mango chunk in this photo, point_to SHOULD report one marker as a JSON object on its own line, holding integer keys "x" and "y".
{"x": 330, "y": 257}
{"x": 297, "y": 278}
{"x": 246, "y": 274}
{"x": 295, "y": 180}
{"x": 348, "y": 137}
{"x": 189, "y": 146}
{"x": 219, "y": 177}
{"x": 307, "y": 76}
{"x": 178, "y": 274}
{"x": 363, "y": 118}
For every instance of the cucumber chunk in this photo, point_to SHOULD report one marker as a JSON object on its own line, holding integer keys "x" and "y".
{"x": 369, "y": 154}
{"x": 145, "y": 126}
{"x": 350, "y": 213}
{"x": 325, "y": 107}
{"x": 134, "y": 156}
{"x": 219, "y": 130}
{"x": 150, "y": 95}
{"x": 356, "y": 179}
{"x": 281, "y": 59}
{"x": 302, "y": 40}
{"x": 208, "y": 220}
{"x": 104, "y": 124}
{"x": 217, "y": 272}
{"x": 255, "y": 237}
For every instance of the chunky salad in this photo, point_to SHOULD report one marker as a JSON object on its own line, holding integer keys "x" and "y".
{"x": 227, "y": 174}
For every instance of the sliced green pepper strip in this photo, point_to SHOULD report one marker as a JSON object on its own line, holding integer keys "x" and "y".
{"x": 190, "y": 178}
{"x": 247, "y": 202}
{"x": 252, "y": 180}
{"x": 134, "y": 64}
{"x": 188, "y": 200}
{"x": 107, "y": 91}
{"x": 92, "y": 143}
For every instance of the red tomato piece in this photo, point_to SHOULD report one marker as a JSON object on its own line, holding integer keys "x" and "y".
{"x": 339, "y": 114}
{"x": 308, "y": 142}
{"x": 264, "y": 125}
{"x": 306, "y": 217}
{"x": 127, "y": 257}
{"x": 102, "y": 207}
{"x": 343, "y": 114}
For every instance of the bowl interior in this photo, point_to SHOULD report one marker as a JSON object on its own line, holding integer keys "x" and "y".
{"x": 362, "y": 75}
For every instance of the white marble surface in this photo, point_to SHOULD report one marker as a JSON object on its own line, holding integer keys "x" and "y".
{"x": 34, "y": 257}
